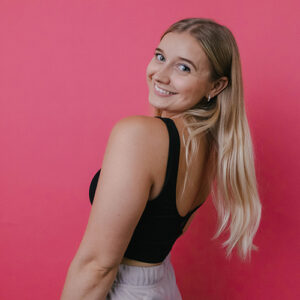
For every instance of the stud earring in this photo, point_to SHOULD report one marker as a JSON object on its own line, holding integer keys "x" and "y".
{"x": 208, "y": 98}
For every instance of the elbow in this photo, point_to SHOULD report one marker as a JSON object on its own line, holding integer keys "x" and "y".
{"x": 97, "y": 267}
{"x": 104, "y": 271}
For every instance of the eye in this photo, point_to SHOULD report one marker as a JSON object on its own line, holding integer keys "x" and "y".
{"x": 184, "y": 68}
{"x": 159, "y": 56}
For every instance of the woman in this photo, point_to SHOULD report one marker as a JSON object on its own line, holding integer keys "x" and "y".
{"x": 157, "y": 171}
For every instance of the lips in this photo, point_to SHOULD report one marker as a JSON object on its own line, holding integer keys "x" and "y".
{"x": 162, "y": 92}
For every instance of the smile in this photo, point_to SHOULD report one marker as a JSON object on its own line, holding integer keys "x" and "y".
{"x": 162, "y": 92}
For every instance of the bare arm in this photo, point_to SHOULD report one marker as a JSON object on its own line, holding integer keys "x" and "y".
{"x": 120, "y": 198}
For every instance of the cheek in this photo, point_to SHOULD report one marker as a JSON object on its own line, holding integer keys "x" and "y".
{"x": 186, "y": 86}
{"x": 192, "y": 90}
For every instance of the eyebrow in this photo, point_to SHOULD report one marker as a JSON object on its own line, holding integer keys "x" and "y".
{"x": 182, "y": 58}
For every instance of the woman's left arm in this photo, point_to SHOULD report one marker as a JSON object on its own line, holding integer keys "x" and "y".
{"x": 120, "y": 199}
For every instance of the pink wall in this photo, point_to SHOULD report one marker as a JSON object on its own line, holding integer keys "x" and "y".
{"x": 69, "y": 70}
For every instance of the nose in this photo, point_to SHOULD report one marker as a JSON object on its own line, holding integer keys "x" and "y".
{"x": 162, "y": 75}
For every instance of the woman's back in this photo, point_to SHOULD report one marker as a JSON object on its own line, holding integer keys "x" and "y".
{"x": 197, "y": 188}
{"x": 164, "y": 158}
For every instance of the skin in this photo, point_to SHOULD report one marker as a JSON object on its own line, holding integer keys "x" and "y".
{"x": 129, "y": 167}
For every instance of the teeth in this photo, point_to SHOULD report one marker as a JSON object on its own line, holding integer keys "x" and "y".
{"x": 162, "y": 91}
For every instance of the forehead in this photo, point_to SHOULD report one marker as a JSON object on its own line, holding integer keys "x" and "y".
{"x": 184, "y": 45}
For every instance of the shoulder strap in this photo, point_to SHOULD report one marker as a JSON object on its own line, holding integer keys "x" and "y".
{"x": 172, "y": 167}
{"x": 169, "y": 186}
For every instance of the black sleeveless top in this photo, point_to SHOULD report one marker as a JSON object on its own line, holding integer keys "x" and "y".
{"x": 160, "y": 224}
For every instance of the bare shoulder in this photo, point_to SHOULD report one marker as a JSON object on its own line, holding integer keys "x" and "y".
{"x": 143, "y": 130}
{"x": 134, "y": 136}
{"x": 146, "y": 134}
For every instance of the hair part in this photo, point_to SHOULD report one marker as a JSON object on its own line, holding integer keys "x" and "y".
{"x": 223, "y": 121}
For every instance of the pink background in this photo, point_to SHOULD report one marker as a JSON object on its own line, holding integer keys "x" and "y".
{"x": 69, "y": 70}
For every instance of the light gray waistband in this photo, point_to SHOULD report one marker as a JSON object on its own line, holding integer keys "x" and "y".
{"x": 136, "y": 275}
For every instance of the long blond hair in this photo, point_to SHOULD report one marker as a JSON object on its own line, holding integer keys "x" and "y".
{"x": 223, "y": 121}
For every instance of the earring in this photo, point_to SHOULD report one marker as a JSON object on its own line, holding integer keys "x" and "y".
{"x": 208, "y": 98}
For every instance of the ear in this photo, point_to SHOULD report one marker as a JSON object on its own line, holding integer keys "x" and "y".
{"x": 218, "y": 86}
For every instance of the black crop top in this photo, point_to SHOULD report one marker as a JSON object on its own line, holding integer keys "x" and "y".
{"x": 160, "y": 224}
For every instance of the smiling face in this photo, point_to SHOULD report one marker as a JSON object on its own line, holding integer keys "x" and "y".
{"x": 178, "y": 75}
